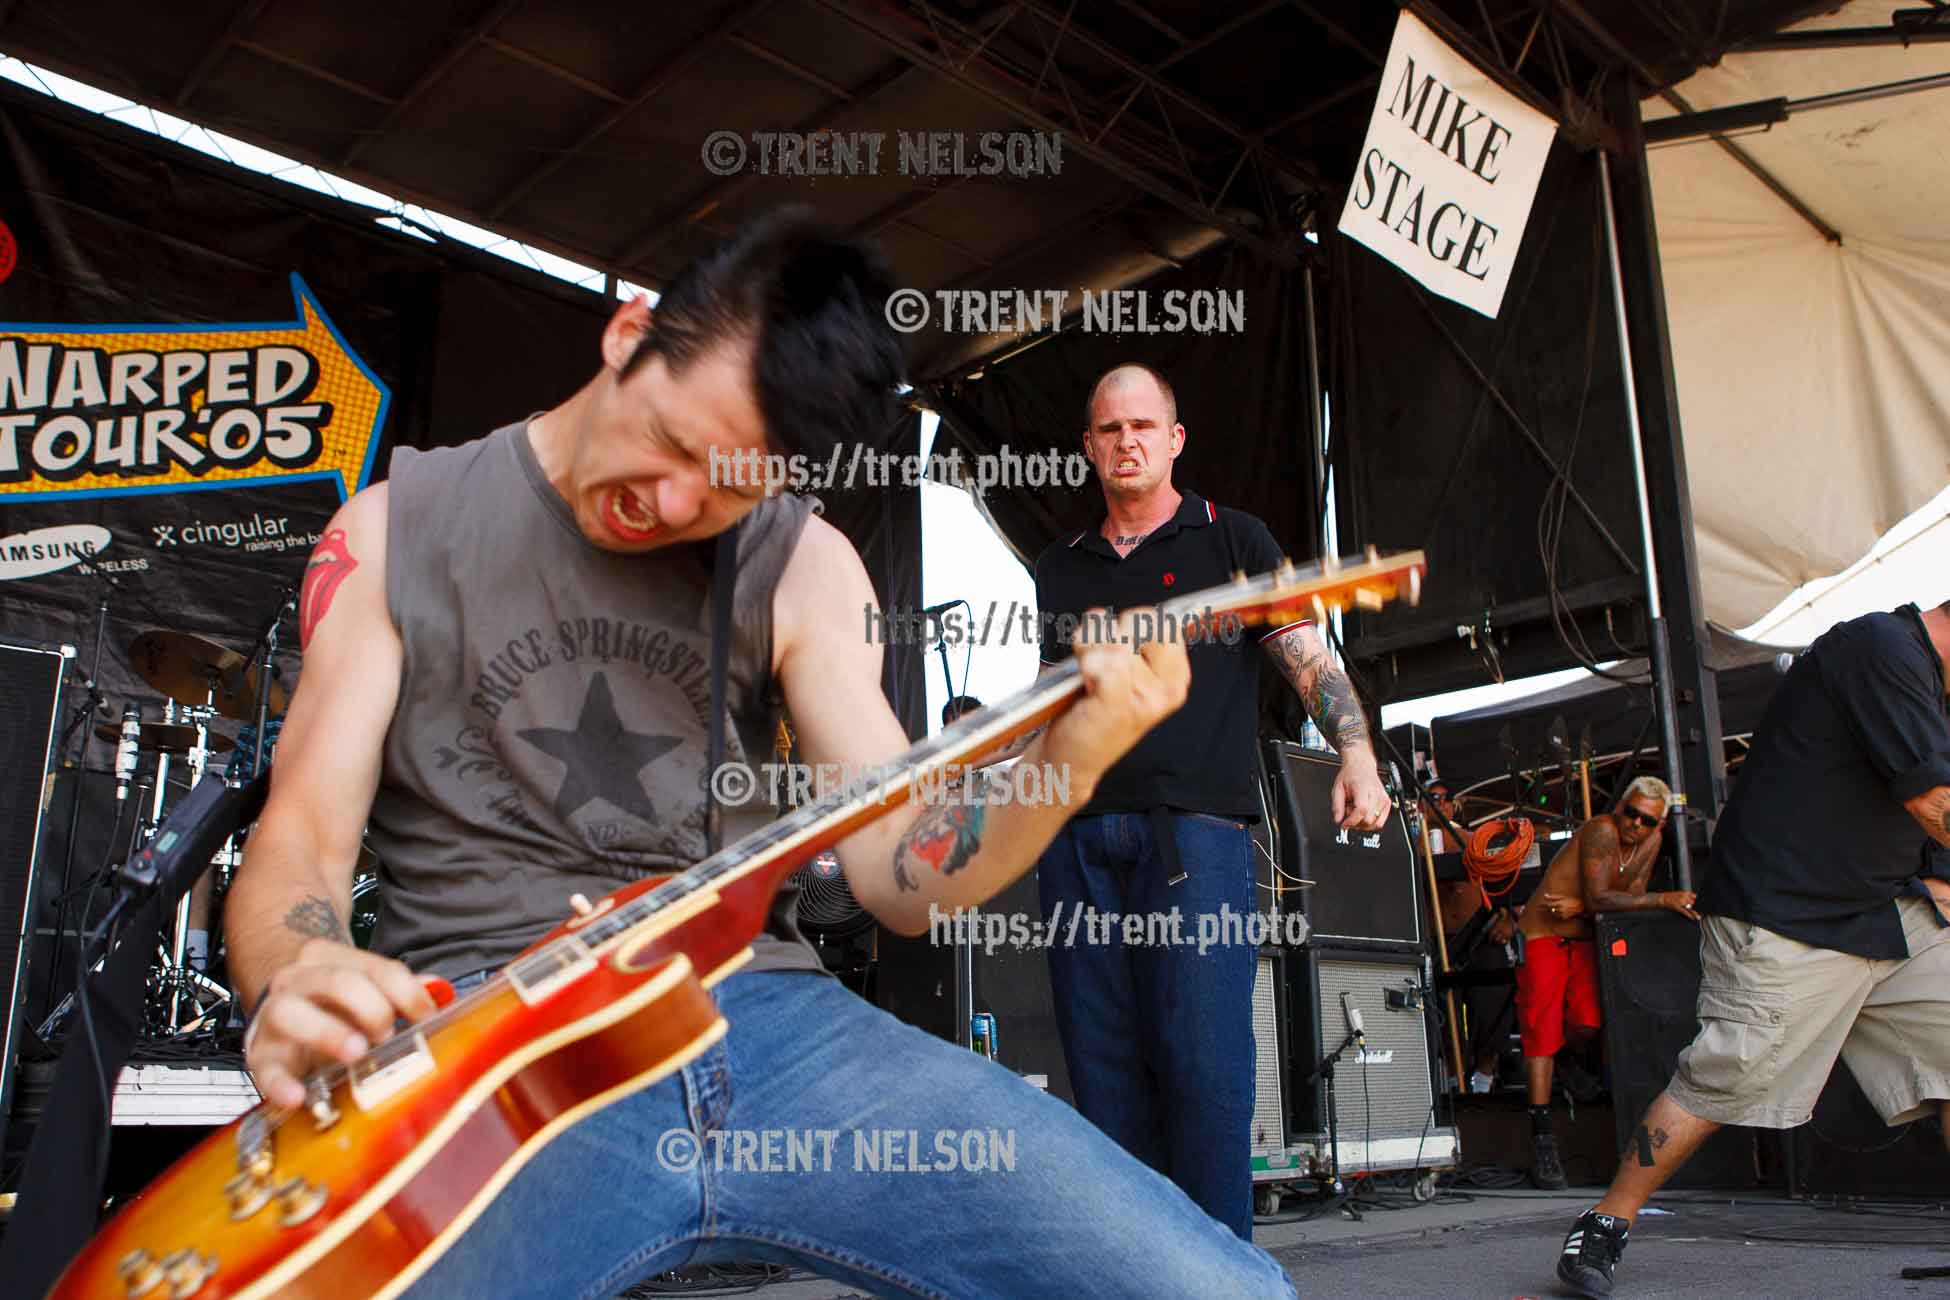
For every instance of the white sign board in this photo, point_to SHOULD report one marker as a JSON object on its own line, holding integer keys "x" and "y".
{"x": 1448, "y": 171}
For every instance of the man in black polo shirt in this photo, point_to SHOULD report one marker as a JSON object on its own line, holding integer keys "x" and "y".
{"x": 1157, "y": 1034}
{"x": 1827, "y": 917}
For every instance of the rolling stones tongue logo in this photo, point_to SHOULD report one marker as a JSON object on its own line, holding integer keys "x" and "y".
{"x": 331, "y": 564}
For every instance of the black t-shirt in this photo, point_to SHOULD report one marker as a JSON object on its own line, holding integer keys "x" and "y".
{"x": 1815, "y": 843}
{"x": 1201, "y": 758}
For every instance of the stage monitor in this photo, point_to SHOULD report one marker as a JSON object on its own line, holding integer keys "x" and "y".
{"x": 1363, "y": 892}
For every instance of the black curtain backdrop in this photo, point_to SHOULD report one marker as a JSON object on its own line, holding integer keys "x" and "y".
{"x": 1431, "y": 401}
{"x": 115, "y": 227}
{"x": 1242, "y": 398}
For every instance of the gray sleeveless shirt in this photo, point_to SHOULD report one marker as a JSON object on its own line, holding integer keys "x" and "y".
{"x": 550, "y": 733}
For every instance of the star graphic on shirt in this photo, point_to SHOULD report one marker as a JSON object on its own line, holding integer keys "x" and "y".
{"x": 601, "y": 757}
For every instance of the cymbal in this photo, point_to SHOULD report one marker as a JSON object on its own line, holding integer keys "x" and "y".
{"x": 191, "y": 669}
{"x": 168, "y": 737}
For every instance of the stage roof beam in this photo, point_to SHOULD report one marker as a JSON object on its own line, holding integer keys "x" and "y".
{"x": 239, "y": 24}
{"x": 1613, "y": 48}
{"x": 428, "y": 79}
{"x": 655, "y": 84}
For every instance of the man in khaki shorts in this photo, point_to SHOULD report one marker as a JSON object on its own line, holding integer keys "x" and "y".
{"x": 1827, "y": 917}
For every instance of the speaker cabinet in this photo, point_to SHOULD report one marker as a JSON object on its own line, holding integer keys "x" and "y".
{"x": 1648, "y": 980}
{"x": 1269, "y": 1059}
{"x": 30, "y": 708}
{"x": 1383, "y": 1094}
{"x": 935, "y": 986}
{"x": 1846, "y": 1149}
{"x": 1364, "y": 893}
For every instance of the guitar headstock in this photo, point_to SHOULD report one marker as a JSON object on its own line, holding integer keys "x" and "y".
{"x": 1292, "y": 592}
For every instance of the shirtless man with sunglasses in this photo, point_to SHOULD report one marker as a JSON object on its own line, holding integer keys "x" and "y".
{"x": 1602, "y": 868}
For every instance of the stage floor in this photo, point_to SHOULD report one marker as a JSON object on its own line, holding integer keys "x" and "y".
{"x": 1503, "y": 1246}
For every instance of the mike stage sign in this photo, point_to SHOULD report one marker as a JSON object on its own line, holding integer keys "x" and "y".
{"x": 122, "y": 410}
{"x": 1448, "y": 171}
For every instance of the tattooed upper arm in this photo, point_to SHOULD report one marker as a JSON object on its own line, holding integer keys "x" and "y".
{"x": 330, "y": 565}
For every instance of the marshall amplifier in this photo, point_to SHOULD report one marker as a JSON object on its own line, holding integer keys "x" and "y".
{"x": 1382, "y": 1098}
{"x": 1363, "y": 893}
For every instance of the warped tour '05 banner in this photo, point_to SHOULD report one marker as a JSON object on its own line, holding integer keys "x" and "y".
{"x": 199, "y": 365}
{"x": 178, "y": 459}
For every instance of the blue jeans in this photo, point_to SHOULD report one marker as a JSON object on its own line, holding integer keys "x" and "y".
{"x": 1158, "y": 1037}
{"x": 665, "y": 1179}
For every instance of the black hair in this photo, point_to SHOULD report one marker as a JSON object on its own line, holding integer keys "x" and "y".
{"x": 813, "y": 304}
{"x": 956, "y": 707}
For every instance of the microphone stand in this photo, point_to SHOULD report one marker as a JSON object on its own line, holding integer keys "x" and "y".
{"x": 1325, "y": 1073}
{"x": 83, "y": 712}
{"x": 268, "y": 643}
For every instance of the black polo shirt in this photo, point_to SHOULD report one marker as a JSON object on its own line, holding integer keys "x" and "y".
{"x": 1815, "y": 843}
{"x": 1201, "y": 758}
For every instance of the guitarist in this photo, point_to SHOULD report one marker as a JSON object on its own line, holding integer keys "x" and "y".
{"x": 507, "y": 651}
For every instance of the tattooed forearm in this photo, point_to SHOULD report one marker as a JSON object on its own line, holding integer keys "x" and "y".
{"x": 1324, "y": 689}
{"x": 1931, "y": 809}
{"x": 315, "y": 918}
{"x": 1336, "y": 709}
{"x": 944, "y": 839}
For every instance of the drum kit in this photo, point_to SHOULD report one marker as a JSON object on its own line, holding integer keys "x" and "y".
{"x": 157, "y": 744}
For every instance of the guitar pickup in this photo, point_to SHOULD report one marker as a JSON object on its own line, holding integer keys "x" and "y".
{"x": 540, "y": 974}
{"x": 404, "y": 1059}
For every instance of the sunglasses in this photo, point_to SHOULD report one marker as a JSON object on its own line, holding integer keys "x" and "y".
{"x": 1646, "y": 820}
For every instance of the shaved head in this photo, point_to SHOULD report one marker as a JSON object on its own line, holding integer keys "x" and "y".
{"x": 1131, "y": 372}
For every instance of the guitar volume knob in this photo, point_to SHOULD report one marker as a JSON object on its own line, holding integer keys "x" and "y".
{"x": 140, "y": 1272}
{"x": 299, "y": 1200}
{"x": 186, "y": 1271}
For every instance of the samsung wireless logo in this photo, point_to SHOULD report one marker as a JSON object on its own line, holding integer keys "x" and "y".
{"x": 49, "y": 550}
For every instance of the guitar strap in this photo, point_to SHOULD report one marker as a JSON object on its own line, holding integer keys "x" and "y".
{"x": 724, "y": 578}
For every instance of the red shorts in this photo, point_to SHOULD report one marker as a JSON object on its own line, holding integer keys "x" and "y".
{"x": 1556, "y": 985}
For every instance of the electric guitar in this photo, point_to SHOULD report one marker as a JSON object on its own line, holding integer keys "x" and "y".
{"x": 361, "y": 1189}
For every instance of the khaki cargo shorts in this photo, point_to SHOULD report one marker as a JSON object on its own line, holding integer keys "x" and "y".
{"x": 1775, "y": 1013}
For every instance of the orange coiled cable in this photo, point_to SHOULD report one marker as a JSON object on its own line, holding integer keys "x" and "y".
{"x": 1495, "y": 853}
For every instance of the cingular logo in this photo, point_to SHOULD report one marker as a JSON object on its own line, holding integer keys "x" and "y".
{"x": 258, "y": 533}
{"x": 49, "y": 550}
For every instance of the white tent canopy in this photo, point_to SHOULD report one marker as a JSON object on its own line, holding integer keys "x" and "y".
{"x": 1814, "y": 377}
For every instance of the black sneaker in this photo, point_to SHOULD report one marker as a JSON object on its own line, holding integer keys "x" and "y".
{"x": 1546, "y": 1170}
{"x": 1591, "y": 1252}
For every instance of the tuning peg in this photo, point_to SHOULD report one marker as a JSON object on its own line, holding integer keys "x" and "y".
{"x": 1286, "y": 567}
{"x": 1239, "y": 576}
{"x": 1366, "y": 598}
{"x": 1330, "y": 563}
{"x": 1320, "y": 611}
{"x": 1414, "y": 586}
{"x": 581, "y": 905}
{"x": 1372, "y": 554}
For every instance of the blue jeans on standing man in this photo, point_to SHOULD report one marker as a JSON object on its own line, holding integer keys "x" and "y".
{"x": 1158, "y": 1037}
{"x": 701, "y": 1168}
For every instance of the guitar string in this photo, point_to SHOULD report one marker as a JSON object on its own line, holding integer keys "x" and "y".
{"x": 834, "y": 807}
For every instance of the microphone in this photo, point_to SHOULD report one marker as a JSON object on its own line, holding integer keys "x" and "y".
{"x": 189, "y": 838}
{"x": 1354, "y": 1022}
{"x": 1783, "y": 662}
{"x": 127, "y": 749}
{"x": 936, "y": 611}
